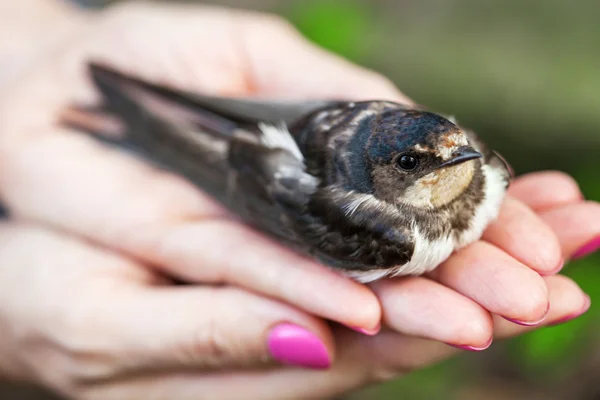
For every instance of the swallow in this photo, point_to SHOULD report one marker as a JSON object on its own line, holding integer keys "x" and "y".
{"x": 373, "y": 189}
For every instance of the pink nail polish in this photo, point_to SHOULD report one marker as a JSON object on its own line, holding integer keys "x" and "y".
{"x": 567, "y": 318}
{"x": 587, "y": 249}
{"x": 293, "y": 345}
{"x": 530, "y": 323}
{"x": 365, "y": 331}
{"x": 472, "y": 348}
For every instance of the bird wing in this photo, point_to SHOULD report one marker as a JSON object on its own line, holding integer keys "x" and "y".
{"x": 238, "y": 151}
{"x": 240, "y": 111}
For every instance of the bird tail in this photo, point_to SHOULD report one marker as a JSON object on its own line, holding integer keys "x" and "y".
{"x": 159, "y": 124}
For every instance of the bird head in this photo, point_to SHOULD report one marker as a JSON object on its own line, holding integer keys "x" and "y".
{"x": 419, "y": 159}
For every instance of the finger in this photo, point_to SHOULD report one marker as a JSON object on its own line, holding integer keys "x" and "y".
{"x": 577, "y": 227}
{"x": 394, "y": 354}
{"x": 162, "y": 220}
{"x": 274, "y": 69}
{"x": 421, "y": 307}
{"x": 523, "y": 235}
{"x": 179, "y": 328}
{"x": 567, "y": 302}
{"x": 153, "y": 326}
{"x": 276, "y": 384}
{"x": 243, "y": 257}
{"x": 497, "y": 282}
{"x": 545, "y": 190}
{"x": 387, "y": 356}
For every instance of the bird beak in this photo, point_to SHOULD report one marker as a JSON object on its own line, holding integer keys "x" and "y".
{"x": 464, "y": 153}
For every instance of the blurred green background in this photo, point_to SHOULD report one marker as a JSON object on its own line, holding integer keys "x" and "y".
{"x": 525, "y": 75}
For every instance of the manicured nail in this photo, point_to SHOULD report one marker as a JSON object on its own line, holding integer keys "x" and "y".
{"x": 472, "y": 348}
{"x": 365, "y": 331}
{"x": 293, "y": 345}
{"x": 586, "y": 306}
{"x": 530, "y": 323}
{"x": 587, "y": 249}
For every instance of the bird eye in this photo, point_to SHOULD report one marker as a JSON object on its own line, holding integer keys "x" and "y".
{"x": 408, "y": 162}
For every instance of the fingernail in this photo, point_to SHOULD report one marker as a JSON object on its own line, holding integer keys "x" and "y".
{"x": 365, "y": 331}
{"x": 472, "y": 348}
{"x": 555, "y": 270}
{"x": 530, "y": 323}
{"x": 567, "y": 318}
{"x": 293, "y": 345}
{"x": 587, "y": 249}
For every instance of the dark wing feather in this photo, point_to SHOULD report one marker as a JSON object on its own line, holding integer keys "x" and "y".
{"x": 238, "y": 110}
{"x": 187, "y": 136}
{"x": 272, "y": 190}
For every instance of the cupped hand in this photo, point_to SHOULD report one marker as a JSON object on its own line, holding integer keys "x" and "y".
{"x": 92, "y": 324}
{"x": 68, "y": 181}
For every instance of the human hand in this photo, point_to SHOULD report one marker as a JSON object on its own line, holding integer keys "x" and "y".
{"x": 31, "y": 29}
{"x": 166, "y": 222}
{"x": 92, "y": 324}
{"x": 160, "y": 218}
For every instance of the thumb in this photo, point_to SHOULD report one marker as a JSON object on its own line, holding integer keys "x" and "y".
{"x": 212, "y": 328}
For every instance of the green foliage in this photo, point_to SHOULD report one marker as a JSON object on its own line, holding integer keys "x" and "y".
{"x": 540, "y": 352}
{"x": 586, "y": 174}
{"x": 340, "y": 26}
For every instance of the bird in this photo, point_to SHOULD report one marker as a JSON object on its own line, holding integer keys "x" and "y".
{"x": 372, "y": 188}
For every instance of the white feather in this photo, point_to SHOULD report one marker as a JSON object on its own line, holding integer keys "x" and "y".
{"x": 368, "y": 276}
{"x": 361, "y": 200}
{"x": 279, "y": 137}
{"x": 489, "y": 208}
{"x": 427, "y": 254}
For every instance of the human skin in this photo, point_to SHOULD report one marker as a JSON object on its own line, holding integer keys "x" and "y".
{"x": 147, "y": 225}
